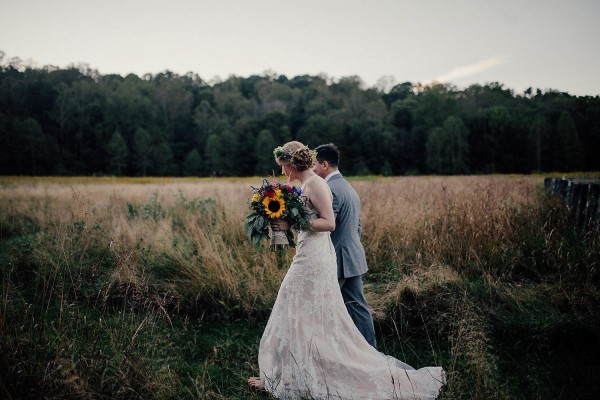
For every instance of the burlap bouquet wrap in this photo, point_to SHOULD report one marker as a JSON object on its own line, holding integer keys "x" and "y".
{"x": 279, "y": 240}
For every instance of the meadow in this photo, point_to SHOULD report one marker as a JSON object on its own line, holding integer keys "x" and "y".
{"x": 148, "y": 288}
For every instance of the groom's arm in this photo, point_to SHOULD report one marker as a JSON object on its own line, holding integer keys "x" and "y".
{"x": 336, "y": 204}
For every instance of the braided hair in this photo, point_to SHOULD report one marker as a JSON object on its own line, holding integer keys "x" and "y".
{"x": 296, "y": 154}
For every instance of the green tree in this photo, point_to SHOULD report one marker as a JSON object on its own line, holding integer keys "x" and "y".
{"x": 143, "y": 150}
{"x": 498, "y": 118}
{"x": 435, "y": 150}
{"x": 118, "y": 152}
{"x": 192, "y": 164}
{"x": 265, "y": 143}
{"x": 447, "y": 147}
{"x": 316, "y": 131}
{"x": 570, "y": 151}
{"x": 32, "y": 133}
{"x": 26, "y": 150}
{"x": 164, "y": 163}
{"x": 433, "y": 107}
{"x": 278, "y": 124}
{"x": 275, "y": 97}
{"x": 207, "y": 122}
{"x": 400, "y": 125}
{"x": 458, "y": 146}
{"x": 221, "y": 154}
{"x": 539, "y": 136}
{"x": 213, "y": 155}
{"x": 174, "y": 104}
{"x": 399, "y": 92}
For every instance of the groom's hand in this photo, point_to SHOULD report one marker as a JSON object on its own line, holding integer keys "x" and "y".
{"x": 280, "y": 225}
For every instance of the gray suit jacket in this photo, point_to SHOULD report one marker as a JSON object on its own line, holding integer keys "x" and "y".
{"x": 349, "y": 252}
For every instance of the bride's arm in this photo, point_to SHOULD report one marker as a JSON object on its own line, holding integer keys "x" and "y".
{"x": 321, "y": 199}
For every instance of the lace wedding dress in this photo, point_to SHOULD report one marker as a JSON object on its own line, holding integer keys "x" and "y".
{"x": 311, "y": 348}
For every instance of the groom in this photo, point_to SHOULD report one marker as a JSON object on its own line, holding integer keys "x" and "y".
{"x": 349, "y": 252}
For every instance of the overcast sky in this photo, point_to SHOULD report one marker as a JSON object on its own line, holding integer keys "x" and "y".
{"x": 546, "y": 44}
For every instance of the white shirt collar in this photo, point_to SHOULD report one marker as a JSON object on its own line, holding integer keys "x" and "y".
{"x": 328, "y": 177}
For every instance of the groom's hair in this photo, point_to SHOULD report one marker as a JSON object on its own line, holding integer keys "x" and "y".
{"x": 328, "y": 152}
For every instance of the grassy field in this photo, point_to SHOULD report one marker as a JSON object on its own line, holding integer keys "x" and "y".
{"x": 148, "y": 288}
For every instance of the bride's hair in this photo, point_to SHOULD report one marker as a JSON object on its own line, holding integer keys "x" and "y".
{"x": 296, "y": 154}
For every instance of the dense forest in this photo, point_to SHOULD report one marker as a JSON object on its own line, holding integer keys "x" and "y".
{"x": 75, "y": 121}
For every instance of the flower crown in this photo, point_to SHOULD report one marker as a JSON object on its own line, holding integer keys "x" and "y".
{"x": 283, "y": 155}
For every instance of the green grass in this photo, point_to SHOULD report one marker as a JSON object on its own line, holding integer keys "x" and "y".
{"x": 88, "y": 353}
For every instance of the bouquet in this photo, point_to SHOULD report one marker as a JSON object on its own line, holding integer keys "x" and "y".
{"x": 271, "y": 201}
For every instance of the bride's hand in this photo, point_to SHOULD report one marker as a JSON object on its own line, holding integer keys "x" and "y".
{"x": 280, "y": 225}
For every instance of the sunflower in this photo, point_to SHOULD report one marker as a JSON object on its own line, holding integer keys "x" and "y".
{"x": 274, "y": 206}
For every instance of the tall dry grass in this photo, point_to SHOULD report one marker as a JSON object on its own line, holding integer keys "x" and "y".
{"x": 184, "y": 239}
{"x": 458, "y": 220}
{"x": 199, "y": 250}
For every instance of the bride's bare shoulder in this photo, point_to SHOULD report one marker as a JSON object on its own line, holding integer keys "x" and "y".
{"x": 316, "y": 185}
{"x": 315, "y": 181}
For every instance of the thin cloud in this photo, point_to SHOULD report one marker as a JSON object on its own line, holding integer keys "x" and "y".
{"x": 472, "y": 69}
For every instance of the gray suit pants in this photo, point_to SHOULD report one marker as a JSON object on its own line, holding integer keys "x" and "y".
{"x": 354, "y": 298}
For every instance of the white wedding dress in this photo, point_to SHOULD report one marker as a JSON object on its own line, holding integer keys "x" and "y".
{"x": 311, "y": 348}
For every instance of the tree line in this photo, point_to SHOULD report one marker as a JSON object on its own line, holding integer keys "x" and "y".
{"x": 74, "y": 121}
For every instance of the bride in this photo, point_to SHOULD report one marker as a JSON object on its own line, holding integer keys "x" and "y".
{"x": 310, "y": 347}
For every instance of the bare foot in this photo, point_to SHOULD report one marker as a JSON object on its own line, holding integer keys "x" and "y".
{"x": 256, "y": 383}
